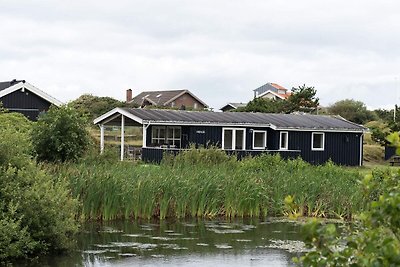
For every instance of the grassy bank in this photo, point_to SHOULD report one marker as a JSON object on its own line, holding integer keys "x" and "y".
{"x": 207, "y": 183}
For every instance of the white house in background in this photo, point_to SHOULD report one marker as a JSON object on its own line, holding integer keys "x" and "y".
{"x": 272, "y": 91}
{"x": 269, "y": 90}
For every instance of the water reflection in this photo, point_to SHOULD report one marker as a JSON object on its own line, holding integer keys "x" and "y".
{"x": 246, "y": 242}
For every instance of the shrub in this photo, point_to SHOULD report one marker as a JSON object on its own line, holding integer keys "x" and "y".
{"x": 15, "y": 142}
{"x": 60, "y": 135}
{"x": 373, "y": 239}
{"x": 36, "y": 212}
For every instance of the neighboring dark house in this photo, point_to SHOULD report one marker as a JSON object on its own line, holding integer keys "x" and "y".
{"x": 315, "y": 138}
{"x": 232, "y": 106}
{"x": 20, "y": 96}
{"x": 181, "y": 99}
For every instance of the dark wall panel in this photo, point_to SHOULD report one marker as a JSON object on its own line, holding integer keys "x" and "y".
{"x": 390, "y": 151}
{"x": 341, "y": 148}
{"x": 26, "y": 103}
{"x": 204, "y": 136}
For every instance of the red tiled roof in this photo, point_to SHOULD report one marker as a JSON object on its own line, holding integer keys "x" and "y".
{"x": 277, "y": 86}
{"x": 285, "y": 95}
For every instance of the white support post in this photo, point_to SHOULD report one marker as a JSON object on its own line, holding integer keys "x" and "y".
{"x": 144, "y": 135}
{"x": 122, "y": 136}
{"x": 101, "y": 138}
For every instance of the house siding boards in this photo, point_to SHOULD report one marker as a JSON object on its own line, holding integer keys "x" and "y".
{"x": 21, "y": 96}
{"x": 341, "y": 148}
{"x": 342, "y": 139}
{"x": 27, "y": 103}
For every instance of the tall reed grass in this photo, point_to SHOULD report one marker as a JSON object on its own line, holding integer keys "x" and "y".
{"x": 208, "y": 183}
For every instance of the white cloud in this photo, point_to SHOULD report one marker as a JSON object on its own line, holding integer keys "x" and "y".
{"x": 221, "y": 50}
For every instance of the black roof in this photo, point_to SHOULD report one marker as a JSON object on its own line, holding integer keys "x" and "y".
{"x": 279, "y": 121}
{"x": 233, "y": 105}
{"x": 5, "y": 85}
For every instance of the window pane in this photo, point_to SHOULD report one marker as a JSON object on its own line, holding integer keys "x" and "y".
{"x": 259, "y": 139}
{"x": 239, "y": 139}
{"x": 170, "y": 133}
{"x": 228, "y": 139}
{"x": 177, "y": 143}
{"x": 317, "y": 141}
{"x": 154, "y": 132}
{"x": 283, "y": 140}
{"x": 162, "y": 133}
{"x": 177, "y": 133}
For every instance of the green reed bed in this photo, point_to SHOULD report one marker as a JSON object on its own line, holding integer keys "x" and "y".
{"x": 207, "y": 183}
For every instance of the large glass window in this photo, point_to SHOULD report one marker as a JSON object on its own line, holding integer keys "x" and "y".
{"x": 233, "y": 138}
{"x": 228, "y": 139}
{"x": 162, "y": 135}
{"x": 174, "y": 136}
{"x": 284, "y": 140}
{"x": 158, "y": 135}
{"x": 259, "y": 139}
{"x": 317, "y": 141}
{"x": 239, "y": 140}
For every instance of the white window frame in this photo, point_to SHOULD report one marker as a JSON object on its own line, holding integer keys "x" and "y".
{"x": 286, "y": 147}
{"x": 157, "y": 138}
{"x": 312, "y": 141}
{"x": 234, "y": 137}
{"x": 265, "y": 139}
{"x": 164, "y": 140}
{"x": 174, "y": 139}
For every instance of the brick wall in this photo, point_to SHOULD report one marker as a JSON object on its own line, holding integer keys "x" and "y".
{"x": 188, "y": 101}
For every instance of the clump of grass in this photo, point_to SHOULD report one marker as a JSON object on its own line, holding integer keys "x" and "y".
{"x": 208, "y": 183}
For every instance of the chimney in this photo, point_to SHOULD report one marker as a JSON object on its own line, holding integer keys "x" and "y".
{"x": 128, "y": 95}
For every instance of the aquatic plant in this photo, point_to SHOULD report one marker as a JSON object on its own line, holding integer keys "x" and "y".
{"x": 208, "y": 183}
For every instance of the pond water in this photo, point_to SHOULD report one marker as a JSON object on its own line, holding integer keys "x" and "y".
{"x": 214, "y": 243}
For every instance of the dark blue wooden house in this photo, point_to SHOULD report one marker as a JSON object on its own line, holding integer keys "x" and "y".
{"x": 315, "y": 138}
{"x": 20, "y": 96}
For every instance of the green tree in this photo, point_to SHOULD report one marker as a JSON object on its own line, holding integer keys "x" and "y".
{"x": 384, "y": 114}
{"x": 60, "y": 135}
{"x": 263, "y": 105}
{"x": 95, "y": 106}
{"x": 303, "y": 99}
{"x": 379, "y": 131}
{"x": 352, "y": 110}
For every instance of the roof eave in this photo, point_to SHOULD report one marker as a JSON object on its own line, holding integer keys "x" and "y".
{"x": 321, "y": 129}
{"x": 275, "y": 94}
{"x": 113, "y": 112}
{"x": 33, "y": 89}
{"x": 228, "y": 105}
{"x": 233, "y": 124}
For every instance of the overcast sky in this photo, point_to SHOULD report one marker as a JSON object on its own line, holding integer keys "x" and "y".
{"x": 220, "y": 50}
